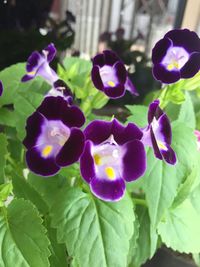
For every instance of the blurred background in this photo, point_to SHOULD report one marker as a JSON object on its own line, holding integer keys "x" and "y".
{"x": 85, "y": 27}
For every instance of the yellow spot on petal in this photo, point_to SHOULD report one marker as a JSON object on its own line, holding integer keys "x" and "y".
{"x": 111, "y": 83}
{"x": 47, "y": 151}
{"x": 97, "y": 159}
{"x": 161, "y": 145}
{"x": 31, "y": 73}
{"x": 110, "y": 173}
{"x": 173, "y": 65}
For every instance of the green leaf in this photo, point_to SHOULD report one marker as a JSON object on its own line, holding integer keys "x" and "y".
{"x": 96, "y": 233}
{"x": 22, "y": 237}
{"x": 47, "y": 188}
{"x": 11, "y": 78}
{"x": 25, "y": 104}
{"x": 139, "y": 115}
{"x": 186, "y": 113}
{"x": 5, "y": 190}
{"x": 196, "y": 258}
{"x": 161, "y": 180}
{"x": 174, "y": 94}
{"x": 7, "y": 117}
{"x": 184, "y": 144}
{"x": 75, "y": 65}
{"x": 190, "y": 84}
{"x": 195, "y": 198}
{"x": 22, "y": 189}
{"x": 134, "y": 239}
{"x": 184, "y": 189}
{"x": 180, "y": 229}
{"x": 160, "y": 185}
{"x": 3, "y": 153}
{"x": 58, "y": 256}
{"x": 142, "y": 249}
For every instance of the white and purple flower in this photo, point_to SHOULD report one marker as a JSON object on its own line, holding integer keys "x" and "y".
{"x": 110, "y": 76}
{"x": 38, "y": 64}
{"x": 176, "y": 56}
{"x": 53, "y": 138}
{"x": 113, "y": 155}
{"x": 158, "y": 134}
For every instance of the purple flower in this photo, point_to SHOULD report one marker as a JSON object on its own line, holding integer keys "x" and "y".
{"x": 112, "y": 155}
{"x": 53, "y": 138}
{"x": 110, "y": 76}
{"x": 1, "y": 88}
{"x": 38, "y": 64}
{"x": 158, "y": 134}
{"x": 60, "y": 88}
{"x": 176, "y": 56}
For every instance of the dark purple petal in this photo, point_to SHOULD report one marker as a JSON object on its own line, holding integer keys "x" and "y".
{"x": 154, "y": 111}
{"x": 115, "y": 92}
{"x": 39, "y": 165}
{"x": 27, "y": 78}
{"x": 108, "y": 190}
{"x": 134, "y": 160}
{"x": 1, "y": 88}
{"x": 72, "y": 149}
{"x": 123, "y": 134}
{"x": 191, "y": 67}
{"x": 98, "y": 60}
{"x": 160, "y": 50}
{"x": 57, "y": 108}
{"x": 52, "y": 107}
{"x": 98, "y": 131}
{"x": 120, "y": 72}
{"x": 110, "y": 57}
{"x": 155, "y": 145}
{"x": 33, "y": 129}
{"x": 160, "y": 73}
{"x": 185, "y": 38}
{"x": 87, "y": 163}
{"x": 130, "y": 87}
{"x": 165, "y": 129}
{"x": 169, "y": 155}
{"x": 51, "y": 52}
{"x": 73, "y": 117}
{"x": 33, "y": 61}
{"x": 96, "y": 78}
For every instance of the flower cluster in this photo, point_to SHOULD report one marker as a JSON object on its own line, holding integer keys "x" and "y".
{"x": 110, "y": 154}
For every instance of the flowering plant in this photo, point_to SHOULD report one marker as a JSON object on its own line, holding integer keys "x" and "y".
{"x": 80, "y": 189}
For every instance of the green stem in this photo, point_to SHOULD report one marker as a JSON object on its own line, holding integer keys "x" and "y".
{"x": 163, "y": 97}
{"x": 139, "y": 201}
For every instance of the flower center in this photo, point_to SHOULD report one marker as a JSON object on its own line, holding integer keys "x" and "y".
{"x": 175, "y": 58}
{"x": 107, "y": 159}
{"x": 108, "y": 76}
{"x": 58, "y": 135}
{"x": 53, "y": 137}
